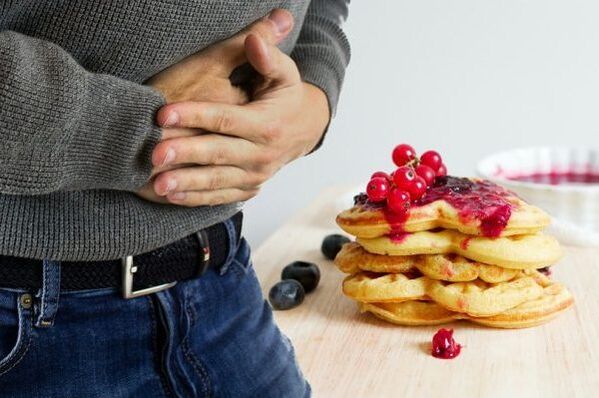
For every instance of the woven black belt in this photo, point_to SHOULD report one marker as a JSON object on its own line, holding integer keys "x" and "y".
{"x": 183, "y": 259}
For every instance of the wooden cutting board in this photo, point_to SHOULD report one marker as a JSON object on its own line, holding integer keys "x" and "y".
{"x": 346, "y": 354}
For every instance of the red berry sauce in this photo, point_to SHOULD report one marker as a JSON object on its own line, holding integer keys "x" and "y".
{"x": 444, "y": 345}
{"x": 398, "y": 236}
{"x": 394, "y": 219}
{"x": 465, "y": 243}
{"x": 481, "y": 200}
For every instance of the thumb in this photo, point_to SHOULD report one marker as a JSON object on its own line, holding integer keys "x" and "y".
{"x": 270, "y": 62}
{"x": 273, "y": 28}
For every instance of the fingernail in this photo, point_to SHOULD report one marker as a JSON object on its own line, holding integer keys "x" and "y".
{"x": 170, "y": 186}
{"x": 171, "y": 119}
{"x": 177, "y": 196}
{"x": 281, "y": 20}
{"x": 169, "y": 157}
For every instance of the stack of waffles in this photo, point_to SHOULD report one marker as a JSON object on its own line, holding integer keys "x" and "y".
{"x": 473, "y": 251}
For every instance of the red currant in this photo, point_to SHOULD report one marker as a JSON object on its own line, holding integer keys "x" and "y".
{"x": 432, "y": 159}
{"x": 442, "y": 171}
{"x": 444, "y": 345}
{"x": 378, "y": 189}
{"x": 398, "y": 201}
{"x": 418, "y": 188}
{"x": 381, "y": 174}
{"x": 426, "y": 173}
{"x": 403, "y": 177}
{"x": 402, "y": 154}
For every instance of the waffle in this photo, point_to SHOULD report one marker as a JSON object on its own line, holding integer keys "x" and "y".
{"x": 371, "y": 222}
{"x": 516, "y": 252}
{"x": 369, "y": 287}
{"x": 448, "y": 267}
{"x": 554, "y": 300}
{"x": 353, "y": 258}
{"x": 478, "y": 298}
{"x": 411, "y": 313}
{"x": 466, "y": 250}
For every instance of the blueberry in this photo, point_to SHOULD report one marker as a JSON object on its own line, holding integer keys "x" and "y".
{"x": 286, "y": 294}
{"x": 331, "y": 245}
{"x": 304, "y": 272}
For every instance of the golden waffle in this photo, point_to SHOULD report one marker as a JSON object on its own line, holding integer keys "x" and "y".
{"x": 554, "y": 300}
{"x": 455, "y": 268}
{"x": 478, "y": 298}
{"x": 371, "y": 222}
{"x": 367, "y": 287}
{"x": 517, "y": 252}
{"x": 411, "y": 313}
{"x": 448, "y": 267}
{"x": 353, "y": 258}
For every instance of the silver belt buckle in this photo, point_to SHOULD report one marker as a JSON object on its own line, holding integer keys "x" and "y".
{"x": 129, "y": 270}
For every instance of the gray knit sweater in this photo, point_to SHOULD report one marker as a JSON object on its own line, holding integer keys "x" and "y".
{"x": 77, "y": 123}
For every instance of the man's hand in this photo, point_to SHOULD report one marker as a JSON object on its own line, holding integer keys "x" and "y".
{"x": 204, "y": 76}
{"x": 246, "y": 144}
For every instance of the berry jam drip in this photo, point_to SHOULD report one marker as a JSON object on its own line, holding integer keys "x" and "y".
{"x": 395, "y": 220}
{"x": 545, "y": 270}
{"x": 475, "y": 200}
{"x": 444, "y": 345}
{"x": 558, "y": 178}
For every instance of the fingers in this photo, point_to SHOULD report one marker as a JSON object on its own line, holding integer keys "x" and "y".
{"x": 211, "y": 198}
{"x": 206, "y": 178}
{"x": 162, "y": 156}
{"x": 234, "y": 120}
{"x": 207, "y": 149}
{"x": 273, "y": 29}
{"x": 270, "y": 62}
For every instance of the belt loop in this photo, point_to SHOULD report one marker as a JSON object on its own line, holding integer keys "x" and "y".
{"x": 47, "y": 305}
{"x": 233, "y": 244}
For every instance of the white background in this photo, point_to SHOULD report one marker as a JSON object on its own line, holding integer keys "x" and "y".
{"x": 467, "y": 78}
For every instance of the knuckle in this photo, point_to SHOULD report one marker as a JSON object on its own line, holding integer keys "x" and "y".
{"x": 272, "y": 132}
{"x": 197, "y": 113}
{"x": 265, "y": 160}
{"x": 219, "y": 155}
{"x": 224, "y": 121}
{"x": 216, "y": 180}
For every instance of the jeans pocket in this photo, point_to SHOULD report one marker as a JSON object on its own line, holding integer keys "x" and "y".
{"x": 15, "y": 337}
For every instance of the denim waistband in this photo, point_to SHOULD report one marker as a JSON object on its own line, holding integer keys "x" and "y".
{"x": 47, "y": 297}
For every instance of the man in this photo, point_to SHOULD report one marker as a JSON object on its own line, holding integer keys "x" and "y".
{"x": 130, "y": 133}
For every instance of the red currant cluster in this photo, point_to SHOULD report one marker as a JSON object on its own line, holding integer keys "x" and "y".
{"x": 407, "y": 183}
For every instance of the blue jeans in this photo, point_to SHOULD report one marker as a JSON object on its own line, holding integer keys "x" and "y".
{"x": 213, "y": 336}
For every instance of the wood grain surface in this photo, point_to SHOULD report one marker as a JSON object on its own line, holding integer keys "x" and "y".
{"x": 346, "y": 354}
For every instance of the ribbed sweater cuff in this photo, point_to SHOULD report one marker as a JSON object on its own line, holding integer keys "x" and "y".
{"x": 325, "y": 77}
{"x": 117, "y": 134}
{"x": 321, "y": 74}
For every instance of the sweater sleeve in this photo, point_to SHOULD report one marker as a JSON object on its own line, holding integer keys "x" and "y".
{"x": 322, "y": 52}
{"x": 65, "y": 128}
